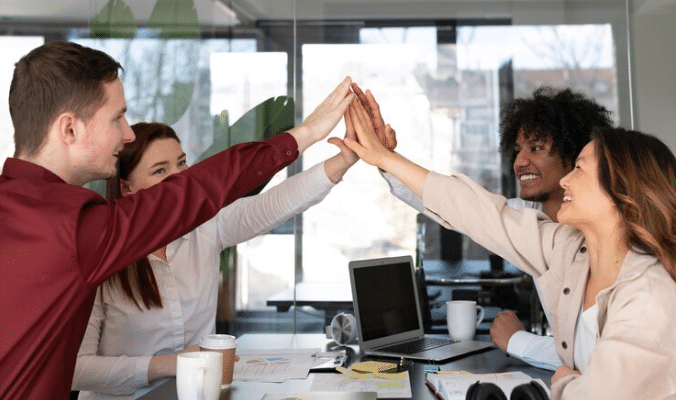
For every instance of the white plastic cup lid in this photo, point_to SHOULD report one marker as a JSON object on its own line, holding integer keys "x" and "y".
{"x": 218, "y": 341}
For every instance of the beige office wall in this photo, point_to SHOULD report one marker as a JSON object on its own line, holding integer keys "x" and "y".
{"x": 653, "y": 47}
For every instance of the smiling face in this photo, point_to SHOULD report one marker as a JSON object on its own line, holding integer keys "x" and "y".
{"x": 102, "y": 137}
{"x": 537, "y": 169}
{"x": 585, "y": 203}
{"x": 162, "y": 157}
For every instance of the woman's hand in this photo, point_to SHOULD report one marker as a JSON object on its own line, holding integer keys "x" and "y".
{"x": 384, "y": 131}
{"x": 325, "y": 117}
{"x": 367, "y": 146}
{"x": 165, "y": 366}
{"x": 562, "y": 372}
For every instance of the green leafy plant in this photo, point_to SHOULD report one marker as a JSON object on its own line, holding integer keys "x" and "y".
{"x": 175, "y": 19}
{"x": 114, "y": 21}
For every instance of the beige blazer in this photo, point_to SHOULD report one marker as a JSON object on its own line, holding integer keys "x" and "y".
{"x": 635, "y": 354}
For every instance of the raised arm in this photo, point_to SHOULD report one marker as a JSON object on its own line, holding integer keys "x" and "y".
{"x": 111, "y": 236}
{"x": 526, "y": 238}
{"x": 249, "y": 217}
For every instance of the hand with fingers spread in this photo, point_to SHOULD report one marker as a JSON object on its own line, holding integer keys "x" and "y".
{"x": 384, "y": 131}
{"x": 325, "y": 117}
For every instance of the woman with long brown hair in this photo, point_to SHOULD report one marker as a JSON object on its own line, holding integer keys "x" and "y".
{"x": 163, "y": 304}
{"x": 606, "y": 270}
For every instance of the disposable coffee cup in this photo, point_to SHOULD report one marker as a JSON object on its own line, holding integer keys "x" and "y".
{"x": 226, "y": 344}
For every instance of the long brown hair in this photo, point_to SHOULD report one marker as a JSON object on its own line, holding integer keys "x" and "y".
{"x": 138, "y": 278}
{"x": 639, "y": 173}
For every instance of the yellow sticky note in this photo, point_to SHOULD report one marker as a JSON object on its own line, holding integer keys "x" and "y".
{"x": 373, "y": 366}
{"x": 352, "y": 374}
{"x": 390, "y": 376}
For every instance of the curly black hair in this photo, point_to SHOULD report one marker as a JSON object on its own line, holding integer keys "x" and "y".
{"x": 565, "y": 116}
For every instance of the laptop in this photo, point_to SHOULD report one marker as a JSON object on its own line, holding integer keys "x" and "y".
{"x": 389, "y": 319}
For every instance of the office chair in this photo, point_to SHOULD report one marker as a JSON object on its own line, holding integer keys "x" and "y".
{"x": 490, "y": 391}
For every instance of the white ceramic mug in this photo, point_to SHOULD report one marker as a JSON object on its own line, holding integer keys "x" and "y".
{"x": 226, "y": 345}
{"x": 462, "y": 318}
{"x": 198, "y": 375}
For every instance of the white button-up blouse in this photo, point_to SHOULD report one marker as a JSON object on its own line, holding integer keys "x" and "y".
{"x": 120, "y": 339}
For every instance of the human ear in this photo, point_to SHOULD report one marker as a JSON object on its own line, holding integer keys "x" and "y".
{"x": 66, "y": 127}
{"x": 125, "y": 187}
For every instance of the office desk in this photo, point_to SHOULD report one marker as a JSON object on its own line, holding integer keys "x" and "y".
{"x": 486, "y": 362}
{"x": 328, "y": 297}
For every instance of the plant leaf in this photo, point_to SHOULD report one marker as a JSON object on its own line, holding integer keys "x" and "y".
{"x": 175, "y": 19}
{"x": 273, "y": 116}
{"x": 115, "y": 20}
{"x": 269, "y": 118}
{"x": 221, "y": 136}
{"x": 177, "y": 102}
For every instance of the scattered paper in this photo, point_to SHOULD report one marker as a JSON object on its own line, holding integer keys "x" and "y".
{"x": 395, "y": 385}
{"x": 274, "y": 365}
{"x": 453, "y": 386}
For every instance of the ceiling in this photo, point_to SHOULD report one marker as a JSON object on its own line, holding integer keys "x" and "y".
{"x": 218, "y": 12}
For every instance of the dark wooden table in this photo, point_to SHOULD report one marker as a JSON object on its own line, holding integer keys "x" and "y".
{"x": 331, "y": 298}
{"x": 491, "y": 361}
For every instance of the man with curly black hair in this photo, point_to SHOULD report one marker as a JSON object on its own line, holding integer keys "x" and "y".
{"x": 543, "y": 135}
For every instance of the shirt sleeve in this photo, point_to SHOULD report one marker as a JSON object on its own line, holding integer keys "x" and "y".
{"x": 249, "y": 217}
{"x": 402, "y": 192}
{"x": 121, "y": 375}
{"x": 524, "y": 238}
{"x": 112, "y": 236}
{"x": 538, "y": 351}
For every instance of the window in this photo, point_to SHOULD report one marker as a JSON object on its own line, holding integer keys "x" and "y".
{"x": 440, "y": 83}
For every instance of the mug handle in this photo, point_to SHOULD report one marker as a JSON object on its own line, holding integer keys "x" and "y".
{"x": 199, "y": 378}
{"x": 479, "y": 317}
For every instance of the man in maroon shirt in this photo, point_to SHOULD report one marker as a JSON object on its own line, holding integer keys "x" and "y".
{"x": 59, "y": 241}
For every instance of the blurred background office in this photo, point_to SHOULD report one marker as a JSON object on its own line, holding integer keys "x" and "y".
{"x": 441, "y": 71}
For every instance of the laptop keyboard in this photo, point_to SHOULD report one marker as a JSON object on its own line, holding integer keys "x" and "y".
{"x": 416, "y": 346}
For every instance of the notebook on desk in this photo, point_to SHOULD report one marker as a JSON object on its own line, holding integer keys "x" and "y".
{"x": 389, "y": 319}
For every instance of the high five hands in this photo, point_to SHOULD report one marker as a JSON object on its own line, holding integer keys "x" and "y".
{"x": 371, "y": 139}
{"x": 375, "y": 141}
{"x": 383, "y": 131}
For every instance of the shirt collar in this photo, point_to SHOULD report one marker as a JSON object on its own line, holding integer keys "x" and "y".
{"x": 635, "y": 264}
{"x": 20, "y": 169}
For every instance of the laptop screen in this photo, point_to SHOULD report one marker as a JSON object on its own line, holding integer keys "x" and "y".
{"x": 387, "y": 302}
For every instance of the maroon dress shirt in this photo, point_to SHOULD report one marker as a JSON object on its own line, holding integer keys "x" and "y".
{"x": 58, "y": 242}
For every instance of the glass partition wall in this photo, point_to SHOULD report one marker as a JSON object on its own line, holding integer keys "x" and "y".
{"x": 441, "y": 72}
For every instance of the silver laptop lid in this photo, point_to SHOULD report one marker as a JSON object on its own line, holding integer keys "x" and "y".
{"x": 385, "y": 299}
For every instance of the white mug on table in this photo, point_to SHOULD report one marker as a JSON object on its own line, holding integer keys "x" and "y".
{"x": 462, "y": 318}
{"x": 198, "y": 375}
